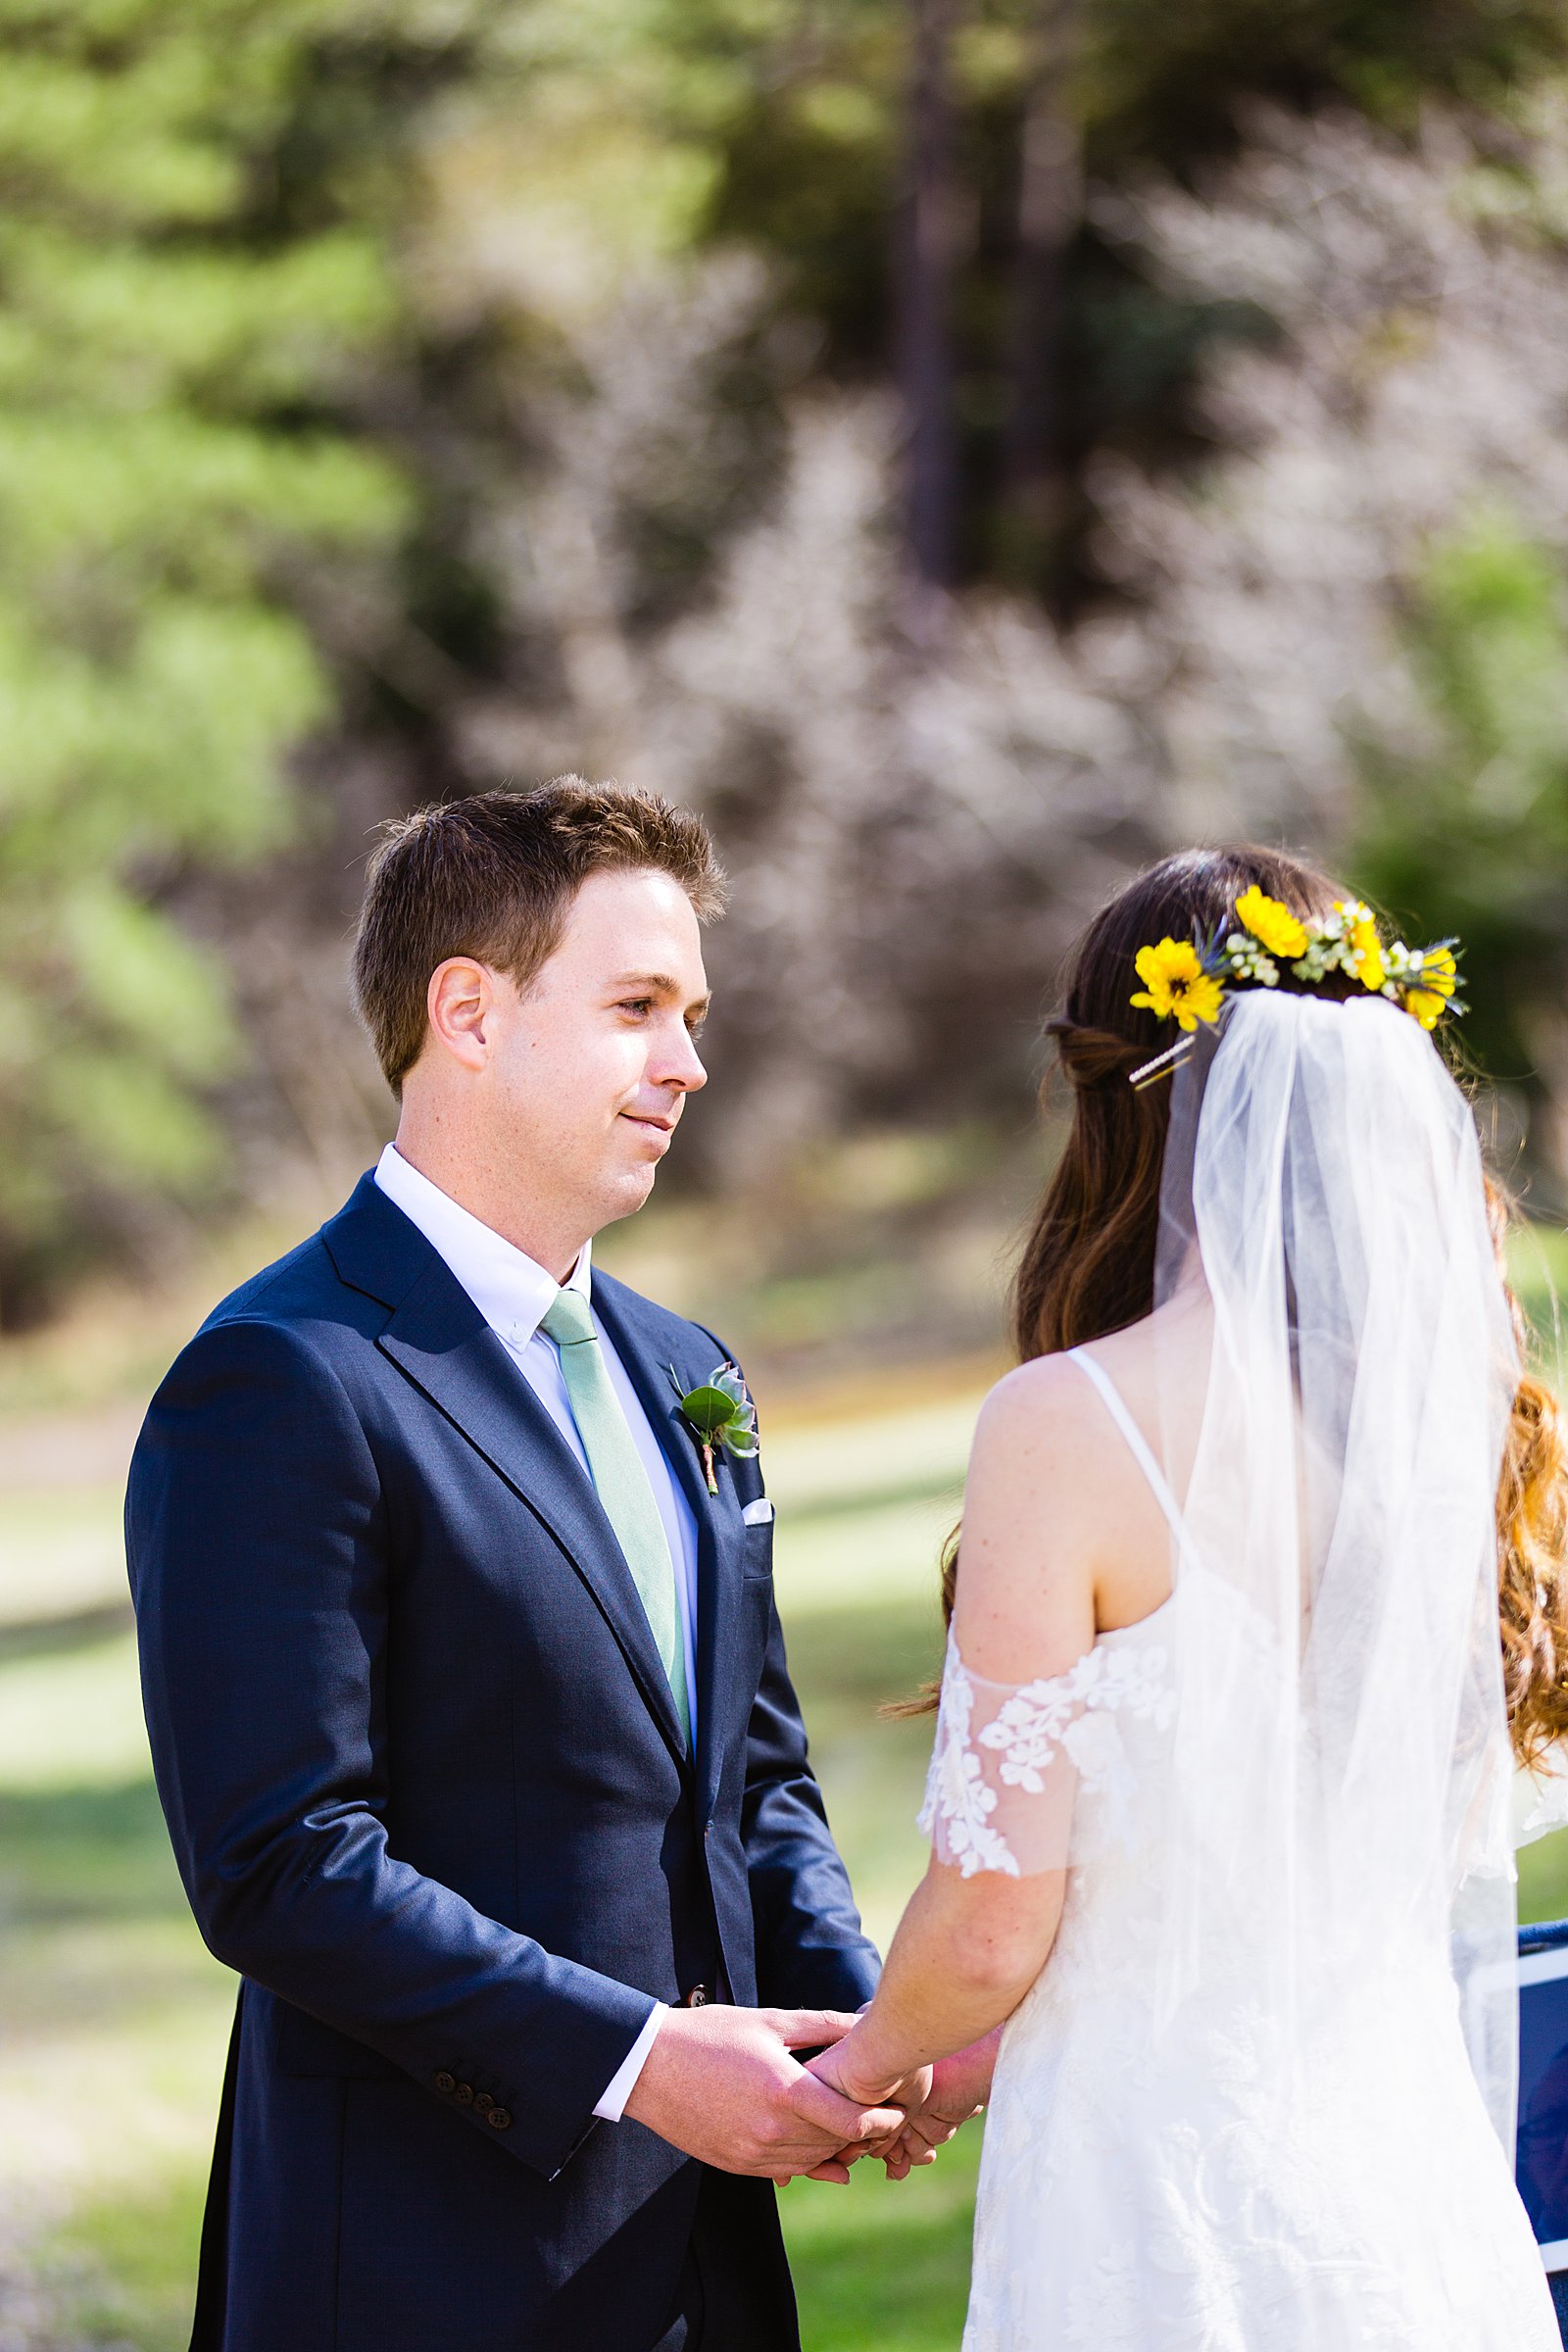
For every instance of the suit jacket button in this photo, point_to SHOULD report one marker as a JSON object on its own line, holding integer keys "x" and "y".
{"x": 463, "y": 2094}
{"x": 483, "y": 2102}
{"x": 499, "y": 2120}
{"x": 697, "y": 1999}
{"x": 446, "y": 2084}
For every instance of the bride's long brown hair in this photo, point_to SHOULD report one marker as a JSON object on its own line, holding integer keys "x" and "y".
{"x": 1088, "y": 1263}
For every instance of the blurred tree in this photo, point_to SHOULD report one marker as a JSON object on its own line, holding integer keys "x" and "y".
{"x": 1049, "y": 216}
{"x": 1053, "y": 344}
{"x": 1467, "y": 819}
{"x": 625, "y": 429}
{"x": 400, "y": 395}
{"x": 1348, "y": 633}
{"x": 912, "y": 171}
{"x": 189, "y": 293}
{"x": 929, "y": 234}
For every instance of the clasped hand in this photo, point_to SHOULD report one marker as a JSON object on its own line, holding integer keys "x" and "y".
{"x": 724, "y": 2085}
{"x": 935, "y": 2100}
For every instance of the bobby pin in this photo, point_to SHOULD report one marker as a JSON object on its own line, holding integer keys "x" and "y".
{"x": 1162, "y": 1064}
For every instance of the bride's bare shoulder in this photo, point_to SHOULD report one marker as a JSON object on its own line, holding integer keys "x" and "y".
{"x": 1030, "y": 1541}
{"x": 1050, "y": 1416}
{"x": 1047, "y": 1383}
{"x": 1037, "y": 1416}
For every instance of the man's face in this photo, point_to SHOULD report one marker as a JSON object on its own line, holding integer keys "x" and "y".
{"x": 590, "y": 1067}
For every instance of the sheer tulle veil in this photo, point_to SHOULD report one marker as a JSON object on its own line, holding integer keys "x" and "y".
{"x": 1337, "y": 1366}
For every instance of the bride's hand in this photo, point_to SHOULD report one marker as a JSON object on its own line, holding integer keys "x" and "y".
{"x": 960, "y": 2087}
{"x": 936, "y": 2101}
{"x": 843, "y": 2065}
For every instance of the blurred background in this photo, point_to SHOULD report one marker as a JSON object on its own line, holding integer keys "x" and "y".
{"x": 963, "y": 447}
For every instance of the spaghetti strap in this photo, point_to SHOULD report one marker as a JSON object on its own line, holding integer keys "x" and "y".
{"x": 1138, "y": 1444}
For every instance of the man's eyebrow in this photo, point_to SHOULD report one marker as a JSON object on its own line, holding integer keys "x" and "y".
{"x": 657, "y": 984}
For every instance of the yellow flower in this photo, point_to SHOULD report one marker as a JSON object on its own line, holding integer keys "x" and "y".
{"x": 1176, "y": 983}
{"x": 1365, "y": 944}
{"x": 1439, "y": 977}
{"x": 1272, "y": 923}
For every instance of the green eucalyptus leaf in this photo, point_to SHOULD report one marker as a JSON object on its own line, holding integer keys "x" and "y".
{"x": 708, "y": 1408}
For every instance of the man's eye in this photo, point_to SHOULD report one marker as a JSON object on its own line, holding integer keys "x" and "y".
{"x": 637, "y": 1004}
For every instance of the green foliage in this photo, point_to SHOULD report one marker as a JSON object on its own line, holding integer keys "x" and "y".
{"x": 1160, "y": 80}
{"x": 1467, "y": 824}
{"x": 173, "y": 352}
{"x": 285, "y": 288}
{"x": 617, "y": 133}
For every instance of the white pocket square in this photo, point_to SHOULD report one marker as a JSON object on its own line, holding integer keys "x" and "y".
{"x": 757, "y": 1514}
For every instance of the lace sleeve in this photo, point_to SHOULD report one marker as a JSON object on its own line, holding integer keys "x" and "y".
{"x": 1010, "y": 1758}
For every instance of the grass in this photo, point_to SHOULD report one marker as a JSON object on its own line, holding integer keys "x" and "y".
{"x": 114, "y": 2016}
{"x": 122, "y": 2269}
{"x": 114, "y": 2020}
{"x": 879, "y": 2266}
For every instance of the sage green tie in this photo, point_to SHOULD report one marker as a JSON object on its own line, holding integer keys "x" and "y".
{"x": 620, "y": 1482}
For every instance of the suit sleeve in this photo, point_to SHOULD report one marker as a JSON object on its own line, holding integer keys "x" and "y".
{"x": 256, "y": 1542}
{"x": 811, "y": 1951}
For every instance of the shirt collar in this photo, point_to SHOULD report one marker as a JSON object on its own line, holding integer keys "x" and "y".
{"x": 512, "y": 1290}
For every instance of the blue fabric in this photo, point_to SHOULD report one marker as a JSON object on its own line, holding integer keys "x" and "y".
{"x": 429, "y": 1797}
{"x": 1559, "y": 2298}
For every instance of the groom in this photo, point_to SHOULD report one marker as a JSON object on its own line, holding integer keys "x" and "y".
{"x": 467, "y": 1700}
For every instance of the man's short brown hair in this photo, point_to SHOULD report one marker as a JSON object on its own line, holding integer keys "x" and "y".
{"x": 494, "y": 877}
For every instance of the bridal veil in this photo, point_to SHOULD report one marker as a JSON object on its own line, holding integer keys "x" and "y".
{"x": 1337, "y": 1366}
{"x": 1341, "y": 1760}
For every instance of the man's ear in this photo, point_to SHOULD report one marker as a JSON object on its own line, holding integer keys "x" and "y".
{"x": 461, "y": 1006}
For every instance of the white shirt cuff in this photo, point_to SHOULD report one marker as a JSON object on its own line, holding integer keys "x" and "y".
{"x": 622, "y": 2083}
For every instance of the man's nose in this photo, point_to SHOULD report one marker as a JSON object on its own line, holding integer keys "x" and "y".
{"x": 683, "y": 1066}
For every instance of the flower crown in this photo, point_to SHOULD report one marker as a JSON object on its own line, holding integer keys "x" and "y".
{"x": 1185, "y": 980}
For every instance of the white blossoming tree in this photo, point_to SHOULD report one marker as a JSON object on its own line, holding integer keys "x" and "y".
{"x": 1353, "y": 619}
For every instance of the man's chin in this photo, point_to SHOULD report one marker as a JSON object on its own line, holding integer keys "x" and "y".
{"x": 629, "y": 1193}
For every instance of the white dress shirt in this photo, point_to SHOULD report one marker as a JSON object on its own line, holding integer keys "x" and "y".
{"x": 514, "y": 1293}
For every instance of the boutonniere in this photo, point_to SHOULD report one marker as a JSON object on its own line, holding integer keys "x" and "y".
{"x": 719, "y": 1416}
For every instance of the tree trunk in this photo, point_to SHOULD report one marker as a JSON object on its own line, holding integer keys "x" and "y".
{"x": 1049, "y": 209}
{"x": 927, "y": 239}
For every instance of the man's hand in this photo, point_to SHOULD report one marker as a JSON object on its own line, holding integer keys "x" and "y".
{"x": 720, "y": 2084}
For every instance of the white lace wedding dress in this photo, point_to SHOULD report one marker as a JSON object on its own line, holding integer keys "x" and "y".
{"x": 1153, "y": 2190}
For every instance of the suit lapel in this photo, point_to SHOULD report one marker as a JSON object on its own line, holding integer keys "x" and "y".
{"x": 638, "y": 1335}
{"x": 438, "y": 1340}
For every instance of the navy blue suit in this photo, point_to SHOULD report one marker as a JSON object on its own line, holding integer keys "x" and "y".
{"x": 429, "y": 1797}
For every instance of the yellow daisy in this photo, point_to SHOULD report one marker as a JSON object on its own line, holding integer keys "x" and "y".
{"x": 1440, "y": 977}
{"x": 1367, "y": 947}
{"x": 1175, "y": 983}
{"x": 1271, "y": 922}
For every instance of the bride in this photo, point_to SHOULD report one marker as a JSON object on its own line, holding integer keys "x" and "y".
{"x": 1219, "y": 1797}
